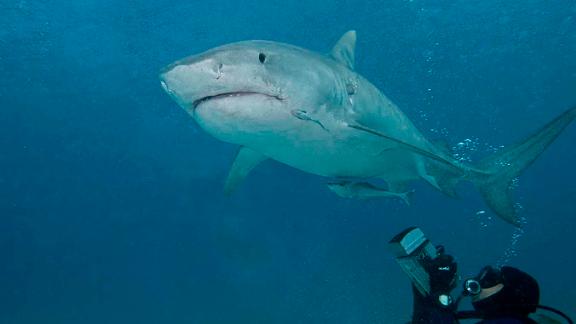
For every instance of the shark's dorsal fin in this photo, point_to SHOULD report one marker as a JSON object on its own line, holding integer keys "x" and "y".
{"x": 343, "y": 51}
{"x": 246, "y": 160}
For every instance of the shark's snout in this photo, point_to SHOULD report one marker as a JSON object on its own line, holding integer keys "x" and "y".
{"x": 164, "y": 86}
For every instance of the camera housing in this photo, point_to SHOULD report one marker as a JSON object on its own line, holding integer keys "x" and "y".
{"x": 411, "y": 248}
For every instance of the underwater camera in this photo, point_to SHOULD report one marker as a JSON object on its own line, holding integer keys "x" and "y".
{"x": 411, "y": 248}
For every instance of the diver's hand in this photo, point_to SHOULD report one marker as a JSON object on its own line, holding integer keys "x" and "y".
{"x": 442, "y": 271}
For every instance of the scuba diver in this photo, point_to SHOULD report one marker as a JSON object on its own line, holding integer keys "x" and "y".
{"x": 504, "y": 295}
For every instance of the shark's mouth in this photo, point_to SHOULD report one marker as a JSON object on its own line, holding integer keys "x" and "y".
{"x": 232, "y": 94}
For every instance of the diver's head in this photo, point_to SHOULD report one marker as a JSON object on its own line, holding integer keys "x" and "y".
{"x": 502, "y": 292}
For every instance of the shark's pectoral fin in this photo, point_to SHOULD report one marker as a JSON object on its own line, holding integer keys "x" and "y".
{"x": 343, "y": 51}
{"x": 246, "y": 160}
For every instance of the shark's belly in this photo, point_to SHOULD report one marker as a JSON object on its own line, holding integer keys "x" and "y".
{"x": 346, "y": 158}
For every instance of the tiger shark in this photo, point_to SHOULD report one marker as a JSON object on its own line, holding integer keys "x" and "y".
{"x": 314, "y": 112}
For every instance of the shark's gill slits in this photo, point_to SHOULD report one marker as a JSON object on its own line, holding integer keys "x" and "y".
{"x": 233, "y": 94}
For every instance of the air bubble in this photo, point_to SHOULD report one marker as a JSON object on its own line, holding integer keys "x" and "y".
{"x": 512, "y": 249}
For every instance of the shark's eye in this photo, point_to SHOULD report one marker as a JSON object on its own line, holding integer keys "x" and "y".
{"x": 262, "y": 57}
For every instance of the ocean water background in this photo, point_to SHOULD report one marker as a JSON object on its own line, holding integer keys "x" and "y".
{"x": 111, "y": 203}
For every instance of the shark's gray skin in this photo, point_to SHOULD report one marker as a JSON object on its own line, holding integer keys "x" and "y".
{"x": 315, "y": 113}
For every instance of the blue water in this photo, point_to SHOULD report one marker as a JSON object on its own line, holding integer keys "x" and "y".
{"x": 111, "y": 197}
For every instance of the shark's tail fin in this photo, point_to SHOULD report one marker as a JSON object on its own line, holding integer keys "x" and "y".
{"x": 502, "y": 167}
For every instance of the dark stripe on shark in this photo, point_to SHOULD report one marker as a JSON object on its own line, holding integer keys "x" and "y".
{"x": 410, "y": 147}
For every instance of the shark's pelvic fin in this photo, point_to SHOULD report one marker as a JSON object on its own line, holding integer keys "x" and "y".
{"x": 246, "y": 160}
{"x": 510, "y": 162}
{"x": 445, "y": 179}
{"x": 343, "y": 51}
{"x": 447, "y": 185}
{"x": 443, "y": 147}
